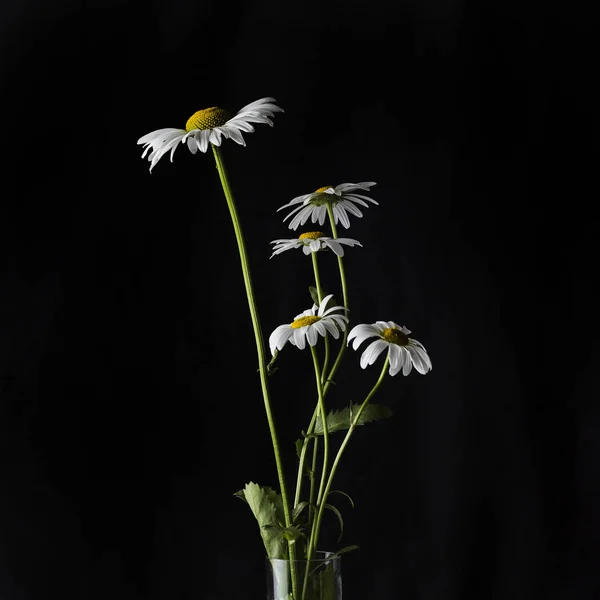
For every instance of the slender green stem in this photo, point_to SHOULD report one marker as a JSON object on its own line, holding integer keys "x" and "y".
{"x": 340, "y": 452}
{"x": 320, "y": 297}
{"x": 313, "y": 487}
{"x": 260, "y": 349}
{"x": 342, "y": 349}
{"x": 303, "y": 451}
{"x": 317, "y": 277}
{"x": 322, "y": 484}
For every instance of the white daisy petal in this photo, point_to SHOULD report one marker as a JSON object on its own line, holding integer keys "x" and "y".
{"x": 235, "y": 135}
{"x": 360, "y": 333}
{"x": 322, "y": 212}
{"x": 315, "y": 245}
{"x": 296, "y": 200}
{"x": 336, "y": 247}
{"x": 242, "y": 126}
{"x": 297, "y": 209}
{"x": 340, "y": 320}
{"x": 215, "y": 136}
{"x": 340, "y": 212}
{"x": 324, "y": 304}
{"x": 299, "y": 338}
{"x": 279, "y": 337}
{"x": 372, "y": 351}
{"x": 321, "y": 327}
{"x": 394, "y": 354}
{"x": 359, "y": 199}
{"x": 202, "y": 138}
{"x": 331, "y": 327}
{"x": 312, "y": 335}
{"x": 351, "y": 208}
{"x": 394, "y": 369}
{"x": 191, "y": 144}
{"x": 416, "y": 360}
{"x": 420, "y": 358}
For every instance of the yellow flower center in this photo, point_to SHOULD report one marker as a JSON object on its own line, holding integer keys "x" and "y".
{"x": 302, "y": 321}
{"x": 208, "y": 118}
{"x": 395, "y": 336}
{"x": 311, "y": 235}
{"x": 322, "y": 189}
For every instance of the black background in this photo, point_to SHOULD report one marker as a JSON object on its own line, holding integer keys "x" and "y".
{"x": 130, "y": 407}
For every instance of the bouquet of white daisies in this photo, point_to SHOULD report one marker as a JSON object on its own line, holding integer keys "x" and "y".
{"x": 290, "y": 518}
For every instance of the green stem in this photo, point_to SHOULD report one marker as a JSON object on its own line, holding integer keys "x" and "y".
{"x": 353, "y": 425}
{"x": 311, "y": 494}
{"x": 320, "y": 297}
{"x": 342, "y": 349}
{"x": 317, "y": 277}
{"x": 312, "y": 540}
{"x": 260, "y": 349}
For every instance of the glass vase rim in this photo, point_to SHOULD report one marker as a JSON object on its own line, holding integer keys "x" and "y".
{"x": 321, "y": 556}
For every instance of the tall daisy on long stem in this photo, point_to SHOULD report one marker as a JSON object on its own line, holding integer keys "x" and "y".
{"x": 206, "y": 128}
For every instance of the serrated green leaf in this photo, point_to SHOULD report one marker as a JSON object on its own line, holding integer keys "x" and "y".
{"x": 289, "y": 533}
{"x": 338, "y": 514}
{"x": 262, "y": 502}
{"x": 275, "y": 498}
{"x": 338, "y": 420}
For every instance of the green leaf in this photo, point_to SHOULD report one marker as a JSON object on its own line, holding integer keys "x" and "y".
{"x": 338, "y": 420}
{"x": 262, "y": 501}
{"x": 338, "y": 514}
{"x": 289, "y": 533}
{"x": 344, "y": 494}
{"x": 343, "y": 551}
{"x": 299, "y": 444}
{"x": 240, "y": 494}
{"x": 314, "y": 294}
{"x": 298, "y": 510}
{"x": 270, "y": 368}
{"x": 327, "y": 583}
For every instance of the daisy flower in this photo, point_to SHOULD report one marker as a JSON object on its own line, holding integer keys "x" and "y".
{"x": 403, "y": 352}
{"x": 343, "y": 199}
{"x": 206, "y": 127}
{"x": 313, "y": 241}
{"x": 308, "y": 326}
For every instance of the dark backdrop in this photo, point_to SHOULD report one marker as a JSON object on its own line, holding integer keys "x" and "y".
{"x": 130, "y": 407}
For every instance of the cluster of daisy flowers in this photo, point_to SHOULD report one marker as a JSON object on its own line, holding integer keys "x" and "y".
{"x": 326, "y": 319}
{"x": 208, "y": 127}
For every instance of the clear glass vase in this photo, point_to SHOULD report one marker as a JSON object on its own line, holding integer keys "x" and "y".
{"x": 317, "y": 579}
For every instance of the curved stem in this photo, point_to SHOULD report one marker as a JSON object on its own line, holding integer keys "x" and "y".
{"x": 260, "y": 349}
{"x": 340, "y": 452}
